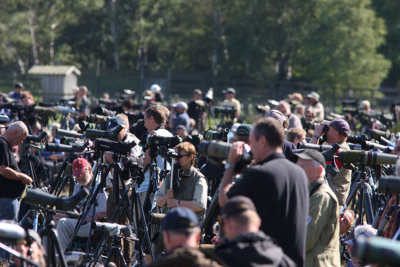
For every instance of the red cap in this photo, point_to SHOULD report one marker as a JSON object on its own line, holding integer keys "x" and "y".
{"x": 78, "y": 166}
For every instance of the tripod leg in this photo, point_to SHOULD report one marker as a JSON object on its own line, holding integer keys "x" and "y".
{"x": 368, "y": 204}
{"x": 351, "y": 197}
{"x": 144, "y": 222}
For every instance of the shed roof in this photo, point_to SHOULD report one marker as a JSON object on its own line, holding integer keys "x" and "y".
{"x": 53, "y": 70}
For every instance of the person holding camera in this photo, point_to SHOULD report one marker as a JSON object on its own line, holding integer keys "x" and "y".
{"x": 155, "y": 118}
{"x": 82, "y": 171}
{"x": 278, "y": 187}
{"x": 336, "y": 132}
{"x": 136, "y": 152}
{"x": 322, "y": 243}
{"x": 188, "y": 187}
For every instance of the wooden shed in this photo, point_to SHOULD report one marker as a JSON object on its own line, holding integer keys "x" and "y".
{"x": 57, "y": 81}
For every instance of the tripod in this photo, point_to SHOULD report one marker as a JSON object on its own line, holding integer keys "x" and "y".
{"x": 136, "y": 216}
{"x": 51, "y": 243}
{"x": 364, "y": 202}
{"x": 95, "y": 191}
{"x": 59, "y": 182}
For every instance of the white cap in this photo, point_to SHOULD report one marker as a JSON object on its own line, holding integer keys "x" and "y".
{"x": 313, "y": 95}
{"x": 155, "y": 88}
{"x": 182, "y": 105}
{"x": 364, "y": 104}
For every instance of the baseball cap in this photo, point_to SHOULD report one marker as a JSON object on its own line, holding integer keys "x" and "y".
{"x": 276, "y": 114}
{"x": 313, "y": 95}
{"x": 313, "y": 155}
{"x": 361, "y": 230}
{"x": 78, "y": 166}
{"x": 115, "y": 122}
{"x": 197, "y": 92}
{"x": 229, "y": 91}
{"x": 182, "y": 105}
{"x": 155, "y": 88}
{"x": 296, "y": 96}
{"x": 179, "y": 218}
{"x": 237, "y": 205}
{"x": 19, "y": 85}
{"x": 244, "y": 130}
{"x": 363, "y": 104}
{"x": 341, "y": 126}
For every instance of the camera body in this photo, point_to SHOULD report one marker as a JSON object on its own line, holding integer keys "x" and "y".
{"x": 225, "y": 111}
{"x": 169, "y": 142}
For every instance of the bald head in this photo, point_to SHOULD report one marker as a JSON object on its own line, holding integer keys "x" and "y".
{"x": 16, "y": 133}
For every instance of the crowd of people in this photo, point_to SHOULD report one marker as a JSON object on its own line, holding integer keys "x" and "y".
{"x": 286, "y": 208}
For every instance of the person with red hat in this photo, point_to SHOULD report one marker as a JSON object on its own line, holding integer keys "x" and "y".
{"x": 82, "y": 171}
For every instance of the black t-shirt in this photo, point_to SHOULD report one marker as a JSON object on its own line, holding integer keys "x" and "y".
{"x": 9, "y": 188}
{"x": 279, "y": 190}
{"x": 195, "y": 111}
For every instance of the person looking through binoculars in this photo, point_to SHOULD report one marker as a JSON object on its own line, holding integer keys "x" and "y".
{"x": 336, "y": 132}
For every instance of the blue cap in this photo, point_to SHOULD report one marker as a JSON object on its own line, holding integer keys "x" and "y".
{"x": 179, "y": 218}
{"x": 114, "y": 122}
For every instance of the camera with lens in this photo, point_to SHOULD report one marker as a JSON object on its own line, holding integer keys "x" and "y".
{"x": 193, "y": 139}
{"x": 225, "y": 111}
{"x": 221, "y": 135}
{"x": 127, "y": 93}
{"x": 94, "y": 118}
{"x": 169, "y": 142}
{"x": 105, "y": 112}
{"x": 262, "y": 109}
{"x": 219, "y": 151}
{"x": 133, "y": 167}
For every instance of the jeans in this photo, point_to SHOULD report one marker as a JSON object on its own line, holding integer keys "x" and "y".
{"x": 9, "y": 208}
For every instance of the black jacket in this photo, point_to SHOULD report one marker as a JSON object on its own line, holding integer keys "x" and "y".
{"x": 279, "y": 191}
{"x": 252, "y": 249}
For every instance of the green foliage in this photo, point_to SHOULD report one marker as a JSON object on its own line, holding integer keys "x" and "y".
{"x": 330, "y": 42}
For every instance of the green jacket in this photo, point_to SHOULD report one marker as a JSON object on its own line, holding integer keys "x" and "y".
{"x": 322, "y": 242}
{"x": 340, "y": 183}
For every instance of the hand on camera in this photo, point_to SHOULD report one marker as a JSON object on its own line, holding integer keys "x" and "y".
{"x": 235, "y": 153}
{"x": 319, "y": 130}
{"x": 172, "y": 202}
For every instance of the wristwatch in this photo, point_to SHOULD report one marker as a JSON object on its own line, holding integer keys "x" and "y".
{"x": 179, "y": 203}
{"x": 229, "y": 165}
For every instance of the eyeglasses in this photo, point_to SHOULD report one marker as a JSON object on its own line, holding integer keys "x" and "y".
{"x": 181, "y": 156}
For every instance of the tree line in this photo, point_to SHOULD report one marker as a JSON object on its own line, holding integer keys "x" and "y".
{"x": 336, "y": 43}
